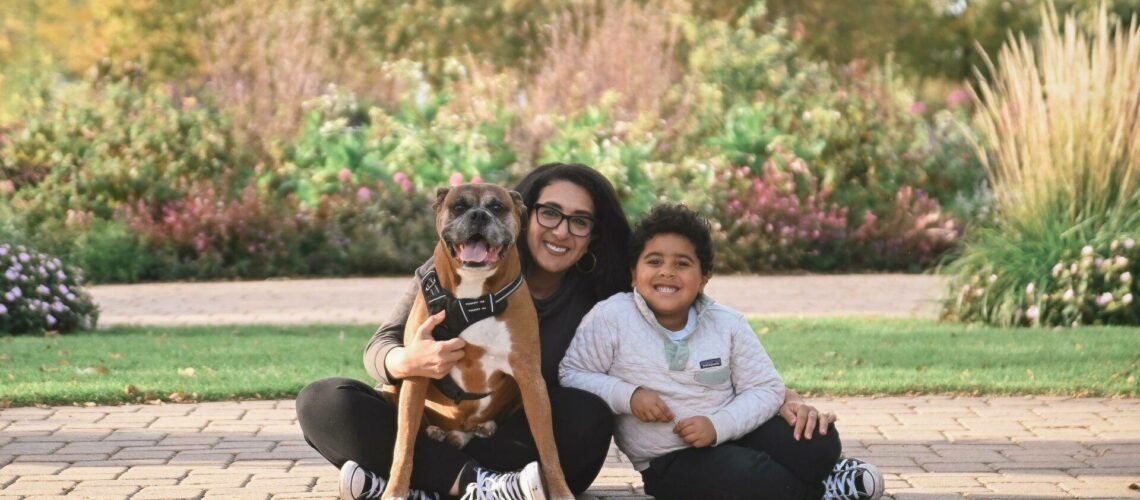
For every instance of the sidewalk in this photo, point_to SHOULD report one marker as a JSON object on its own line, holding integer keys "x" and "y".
{"x": 928, "y": 446}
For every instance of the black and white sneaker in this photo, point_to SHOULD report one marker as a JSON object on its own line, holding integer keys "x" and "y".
{"x": 525, "y": 484}
{"x": 357, "y": 483}
{"x": 862, "y": 481}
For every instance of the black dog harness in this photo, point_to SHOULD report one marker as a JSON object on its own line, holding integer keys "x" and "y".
{"x": 461, "y": 313}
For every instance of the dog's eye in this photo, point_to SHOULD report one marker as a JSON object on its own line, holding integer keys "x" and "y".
{"x": 459, "y": 208}
{"x": 496, "y": 208}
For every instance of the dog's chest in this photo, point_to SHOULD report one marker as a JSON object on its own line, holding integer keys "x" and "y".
{"x": 493, "y": 336}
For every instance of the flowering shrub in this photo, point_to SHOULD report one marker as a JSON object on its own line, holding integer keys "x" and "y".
{"x": 763, "y": 224}
{"x": 1096, "y": 287}
{"x": 209, "y": 234}
{"x": 914, "y": 233}
{"x": 98, "y": 144}
{"x": 39, "y": 293}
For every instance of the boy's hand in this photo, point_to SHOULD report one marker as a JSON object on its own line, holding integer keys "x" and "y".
{"x": 697, "y": 431}
{"x": 647, "y": 406}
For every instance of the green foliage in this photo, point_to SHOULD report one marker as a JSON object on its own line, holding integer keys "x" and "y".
{"x": 96, "y": 146}
{"x": 613, "y": 148}
{"x": 40, "y": 293}
{"x": 425, "y": 141}
{"x": 1047, "y": 272}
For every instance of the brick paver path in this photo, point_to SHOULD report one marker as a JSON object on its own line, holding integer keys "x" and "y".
{"x": 929, "y": 447}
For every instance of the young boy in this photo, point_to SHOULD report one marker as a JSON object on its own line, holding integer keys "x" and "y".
{"x": 695, "y": 393}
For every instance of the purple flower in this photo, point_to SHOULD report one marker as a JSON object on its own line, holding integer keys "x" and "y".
{"x": 363, "y": 194}
{"x": 58, "y": 307}
{"x": 71, "y": 297}
{"x": 50, "y": 320}
{"x": 24, "y": 257}
{"x": 3, "y": 250}
{"x": 63, "y": 289}
{"x": 11, "y": 274}
{"x": 43, "y": 290}
{"x": 13, "y": 294}
{"x": 3, "y": 309}
{"x": 61, "y": 275}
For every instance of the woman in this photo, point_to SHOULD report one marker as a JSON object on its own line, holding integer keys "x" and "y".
{"x": 575, "y": 254}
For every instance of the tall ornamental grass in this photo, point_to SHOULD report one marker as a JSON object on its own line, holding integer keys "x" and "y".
{"x": 1060, "y": 130}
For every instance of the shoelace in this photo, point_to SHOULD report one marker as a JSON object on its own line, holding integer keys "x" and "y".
{"x": 846, "y": 463}
{"x": 841, "y": 486}
{"x": 378, "y": 484}
{"x": 494, "y": 486}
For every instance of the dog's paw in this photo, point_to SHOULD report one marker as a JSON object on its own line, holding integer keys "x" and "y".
{"x": 436, "y": 433}
{"x": 486, "y": 429}
{"x": 458, "y": 439}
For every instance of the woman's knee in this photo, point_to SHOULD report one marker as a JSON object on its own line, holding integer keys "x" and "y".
{"x": 582, "y": 418}
{"x": 330, "y": 396}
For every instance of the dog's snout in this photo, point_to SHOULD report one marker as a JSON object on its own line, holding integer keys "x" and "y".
{"x": 480, "y": 216}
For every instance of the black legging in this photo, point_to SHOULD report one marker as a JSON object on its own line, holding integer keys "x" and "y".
{"x": 765, "y": 463}
{"x": 345, "y": 419}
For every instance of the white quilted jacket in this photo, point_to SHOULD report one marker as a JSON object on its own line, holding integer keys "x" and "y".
{"x": 720, "y": 371}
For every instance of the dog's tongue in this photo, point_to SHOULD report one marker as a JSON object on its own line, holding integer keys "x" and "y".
{"x": 473, "y": 252}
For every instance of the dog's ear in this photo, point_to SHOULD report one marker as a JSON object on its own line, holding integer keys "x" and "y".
{"x": 440, "y": 195}
{"x": 517, "y": 198}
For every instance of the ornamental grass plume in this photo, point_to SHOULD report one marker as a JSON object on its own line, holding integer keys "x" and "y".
{"x": 1063, "y": 119}
{"x": 1060, "y": 143}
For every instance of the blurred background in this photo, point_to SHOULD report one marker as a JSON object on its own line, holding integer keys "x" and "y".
{"x": 147, "y": 140}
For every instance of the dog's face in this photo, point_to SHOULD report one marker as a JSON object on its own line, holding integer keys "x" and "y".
{"x": 478, "y": 223}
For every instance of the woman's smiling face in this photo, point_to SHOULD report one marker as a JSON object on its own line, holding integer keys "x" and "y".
{"x": 555, "y": 250}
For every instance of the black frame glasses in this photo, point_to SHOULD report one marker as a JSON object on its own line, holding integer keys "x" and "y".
{"x": 573, "y": 223}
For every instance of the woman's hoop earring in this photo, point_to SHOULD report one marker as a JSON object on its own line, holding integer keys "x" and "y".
{"x": 593, "y": 264}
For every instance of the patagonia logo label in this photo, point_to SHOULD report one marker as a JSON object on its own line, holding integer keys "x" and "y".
{"x": 709, "y": 363}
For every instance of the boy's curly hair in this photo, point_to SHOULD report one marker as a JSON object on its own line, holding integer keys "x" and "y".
{"x": 668, "y": 218}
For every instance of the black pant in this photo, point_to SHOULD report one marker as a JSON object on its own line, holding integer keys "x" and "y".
{"x": 765, "y": 463}
{"x": 345, "y": 419}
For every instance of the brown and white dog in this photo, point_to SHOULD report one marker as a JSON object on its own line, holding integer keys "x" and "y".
{"x": 477, "y": 272}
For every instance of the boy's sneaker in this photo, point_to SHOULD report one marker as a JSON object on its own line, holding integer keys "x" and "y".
{"x": 357, "y": 483}
{"x": 845, "y": 463}
{"x": 525, "y": 484}
{"x": 860, "y": 482}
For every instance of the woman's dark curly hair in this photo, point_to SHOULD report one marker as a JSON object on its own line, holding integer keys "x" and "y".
{"x": 674, "y": 219}
{"x": 610, "y": 243}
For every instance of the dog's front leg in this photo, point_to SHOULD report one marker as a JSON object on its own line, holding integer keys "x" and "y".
{"x": 413, "y": 393}
{"x": 536, "y": 404}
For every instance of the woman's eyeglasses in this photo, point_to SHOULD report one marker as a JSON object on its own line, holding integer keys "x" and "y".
{"x": 550, "y": 217}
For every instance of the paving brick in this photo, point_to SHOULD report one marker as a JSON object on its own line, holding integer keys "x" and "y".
{"x": 168, "y": 493}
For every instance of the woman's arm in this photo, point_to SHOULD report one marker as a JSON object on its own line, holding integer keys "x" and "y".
{"x": 388, "y": 360}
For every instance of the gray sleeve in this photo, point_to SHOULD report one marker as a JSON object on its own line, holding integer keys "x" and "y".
{"x": 389, "y": 336}
{"x": 587, "y": 363}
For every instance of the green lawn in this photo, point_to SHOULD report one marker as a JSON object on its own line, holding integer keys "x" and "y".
{"x": 822, "y": 356}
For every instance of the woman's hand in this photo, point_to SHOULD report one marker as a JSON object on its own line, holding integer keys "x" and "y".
{"x": 423, "y": 356}
{"x": 803, "y": 417}
{"x": 647, "y": 406}
{"x": 697, "y": 431}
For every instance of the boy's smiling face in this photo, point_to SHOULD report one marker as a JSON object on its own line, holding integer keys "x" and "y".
{"x": 668, "y": 275}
